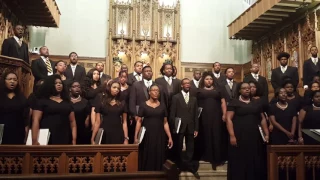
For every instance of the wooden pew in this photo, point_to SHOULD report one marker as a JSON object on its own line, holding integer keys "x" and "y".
{"x": 300, "y": 162}
{"x": 76, "y": 162}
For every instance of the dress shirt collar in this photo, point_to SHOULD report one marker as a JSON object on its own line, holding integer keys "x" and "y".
{"x": 184, "y": 93}
{"x": 44, "y": 58}
{"x": 314, "y": 59}
{"x": 136, "y": 74}
{"x": 73, "y": 66}
{"x": 146, "y": 82}
{"x": 284, "y": 68}
{"x": 196, "y": 83}
{"x": 228, "y": 80}
{"x": 167, "y": 78}
{"x": 255, "y": 75}
{"x": 17, "y": 39}
{"x": 217, "y": 74}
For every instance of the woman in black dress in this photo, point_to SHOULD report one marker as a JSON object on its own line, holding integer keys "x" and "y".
{"x": 284, "y": 118}
{"x": 246, "y": 151}
{"x": 309, "y": 118}
{"x": 114, "y": 114}
{"x": 91, "y": 90}
{"x": 124, "y": 96}
{"x": 255, "y": 93}
{"x": 54, "y": 112}
{"x": 153, "y": 116}
{"x": 14, "y": 110}
{"x": 212, "y": 140}
{"x": 82, "y": 113}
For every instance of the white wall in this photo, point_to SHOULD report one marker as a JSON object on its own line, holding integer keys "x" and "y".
{"x": 83, "y": 29}
{"x": 204, "y": 32}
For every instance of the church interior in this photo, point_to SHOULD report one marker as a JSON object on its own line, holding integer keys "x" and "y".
{"x": 244, "y": 74}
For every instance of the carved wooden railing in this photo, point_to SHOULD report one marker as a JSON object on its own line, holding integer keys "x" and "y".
{"x": 68, "y": 159}
{"x": 290, "y": 162}
{"x": 22, "y": 69}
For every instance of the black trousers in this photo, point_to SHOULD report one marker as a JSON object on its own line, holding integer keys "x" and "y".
{"x": 185, "y": 158}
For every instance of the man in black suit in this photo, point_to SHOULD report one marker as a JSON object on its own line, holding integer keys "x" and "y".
{"x": 139, "y": 91}
{"x": 100, "y": 68}
{"x": 219, "y": 78}
{"x": 74, "y": 71}
{"x": 43, "y": 66}
{"x": 229, "y": 85}
{"x": 262, "y": 81}
{"x": 15, "y": 47}
{"x": 311, "y": 67}
{"x": 185, "y": 107}
{"x": 169, "y": 85}
{"x": 195, "y": 82}
{"x": 136, "y": 75}
{"x": 284, "y": 72}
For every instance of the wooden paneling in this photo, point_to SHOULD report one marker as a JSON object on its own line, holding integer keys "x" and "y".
{"x": 68, "y": 159}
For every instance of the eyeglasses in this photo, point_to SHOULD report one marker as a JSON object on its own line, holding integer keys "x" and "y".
{"x": 11, "y": 79}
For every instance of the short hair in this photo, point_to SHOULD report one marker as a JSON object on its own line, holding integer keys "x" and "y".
{"x": 42, "y": 47}
{"x": 225, "y": 71}
{"x": 72, "y": 53}
{"x": 313, "y": 83}
{"x": 18, "y": 25}
{"x": 215, "y": 63}
{"x": 60, "y": 62}
{"x": 3, "y": 89}
{"x": 184, "y": 79}
{"x": 314, "y": 93}
{"x": 99, "y": 63}
{"x": 277, "y": 92}
{"x": 146, "y": 67}
{"x": 137, "y": 63}
{"x": 288, "y": 81}
{"x": 313, "y": 47}
{"x": 283, "y": 54}
{"x": 121, "y": 72}
{"x": 258, "y": 87}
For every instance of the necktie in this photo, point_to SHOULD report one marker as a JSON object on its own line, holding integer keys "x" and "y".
{"x": 20, "y": 42}
{"x": 282, "y": 69}
{"x": 186, "y": 98}
{"x": 170, "y": 81}
{"x": 218, "y": 75}
{"x": 73, "y": 70}
{"x": 314, "y": 61}
{"x": 230, "y": 84}
{"x": 48, "y": 64}
{"x": 138, "y": 77}
{"x": 256, "y": 77}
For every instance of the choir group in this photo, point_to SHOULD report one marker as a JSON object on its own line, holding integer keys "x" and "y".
{"x": 234, "y": 124}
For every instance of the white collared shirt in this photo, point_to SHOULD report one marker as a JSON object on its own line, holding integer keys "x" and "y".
{"x": 185, "y": 94}
{"x": 45, "y": 60}
{"x": 314, "y": 60}
{"x": 101, "y": 73}
{"x": 73, "y": 68}
{"x": 228, "y": 81}
{"x": 196, "y": 83}
{"x": 284, "y": 68}
{"x": 168, "y": 79}
{"x": 136, "y": 75}
{"x": 147, "y": 83}
{"x": 17, "y": 39}
{"x": 217, "y": 75}
{"x": 255, "y": 76}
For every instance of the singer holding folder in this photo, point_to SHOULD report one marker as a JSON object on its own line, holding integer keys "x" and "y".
{"x": 246, "y": 154}
{"x": 153, "y": 146}
{"x": 184, "y": 108}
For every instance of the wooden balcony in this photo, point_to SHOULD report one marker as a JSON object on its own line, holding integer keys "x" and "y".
{"x": 265, "y": 16}
{"x": 36, "y": 12}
